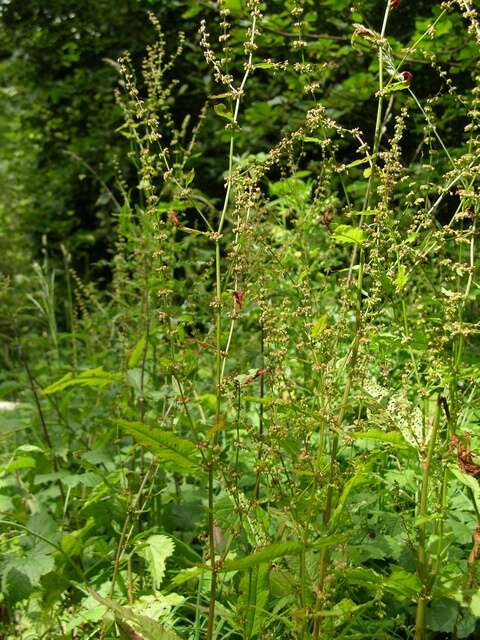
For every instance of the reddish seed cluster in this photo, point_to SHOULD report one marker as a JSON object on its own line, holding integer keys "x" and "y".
{"x": 464, "y": 456}
{"x": 362, "y": 31}
{"x": 258, "y": 374}
{"x": 239, "y": 296}
{"x": 407, "y": 76}
{"x": 174, "y": 219}
{"x": 326, "y": 218}
{"x": 394, "y": 3}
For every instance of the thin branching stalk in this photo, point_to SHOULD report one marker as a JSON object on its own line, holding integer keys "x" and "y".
{"x": 423, "y": 564}
{"x": 352, "y": 357}
{"x": 219, "y": 356}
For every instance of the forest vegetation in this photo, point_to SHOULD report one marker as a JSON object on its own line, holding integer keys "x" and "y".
{"x": 239, "y": 319}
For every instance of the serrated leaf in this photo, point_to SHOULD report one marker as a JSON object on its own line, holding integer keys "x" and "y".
{"x": 15, "y": 585}
{"x": 32, "y": 565}
{"x": 177, "y": 452}
{"x": 148, "y": 628}
{"x": 155, "y": 551}
{"x": 94, "y": 614}
{"x": 402, "y": 584}
{"x": 90, "y": 378}
{"x": 346, "y": 234}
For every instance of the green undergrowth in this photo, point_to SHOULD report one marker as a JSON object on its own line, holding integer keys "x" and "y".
{"x": 265, "y": 427}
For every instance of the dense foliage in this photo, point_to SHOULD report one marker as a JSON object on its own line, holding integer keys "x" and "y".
{"x": 239, "y": 320}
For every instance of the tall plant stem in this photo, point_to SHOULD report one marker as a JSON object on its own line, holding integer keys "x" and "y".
{"x": 219, "y": 358}
{"x": 352, "y": 358}
{"x": 423, "y": 569}
{"x": 260, "y": 418}
{"x": 324, "y": 555}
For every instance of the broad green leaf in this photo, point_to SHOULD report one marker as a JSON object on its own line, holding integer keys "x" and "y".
{"x": 387, "y": 437}
{"x": 95, "y": 614}
{"x": 90, "y": 378}
{"x": 468, "y": 481}
{"x": 366, "y": 212}
{"x": 222, "y": 111}
{"x": 265, "y": 65}
{"x": 402, "y": 277}
{"x": 155, "y": 551}
{"x": 174, "y": 205}
{"x": 265, "y": 555}
{"x": 168, "y": 448}
{"x": 396, "y": 86}
{"x": 16, "y": 420}
{"x": 233, "y": 5}
{"x": 137, "y": 352}
{"x": 363, "y": 577}
{"x": 319, "y": 325}
{"x": 278, "y": 550}
{"x": 475, "y": 604}
{"x": 15, "y": 584}
{"x": 402, "y": 584}
{"x": 72, "y": 543}
{"x": 360, "y": 161}
{"x": 33, "y": 565}
{"x": 192, "y": 573}
{"x": 22, "y": 462}
{"x": 346, "y": 234}
{"x": 148, "y": 628}
{"x": 357, "y": 481}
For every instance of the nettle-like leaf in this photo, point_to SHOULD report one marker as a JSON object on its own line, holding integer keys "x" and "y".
{"x": 155, "y": 551}
{"x": 175, "y": 452}
{"x": 91, "y": 378}
{"x": 144, "y": 627}
{"x": 346, "y": 234}
{"x": 20, "y": 575}
{"x": 157, "y": 606}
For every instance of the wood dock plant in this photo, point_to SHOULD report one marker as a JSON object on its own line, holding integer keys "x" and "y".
{"x": 269, "y": 429}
